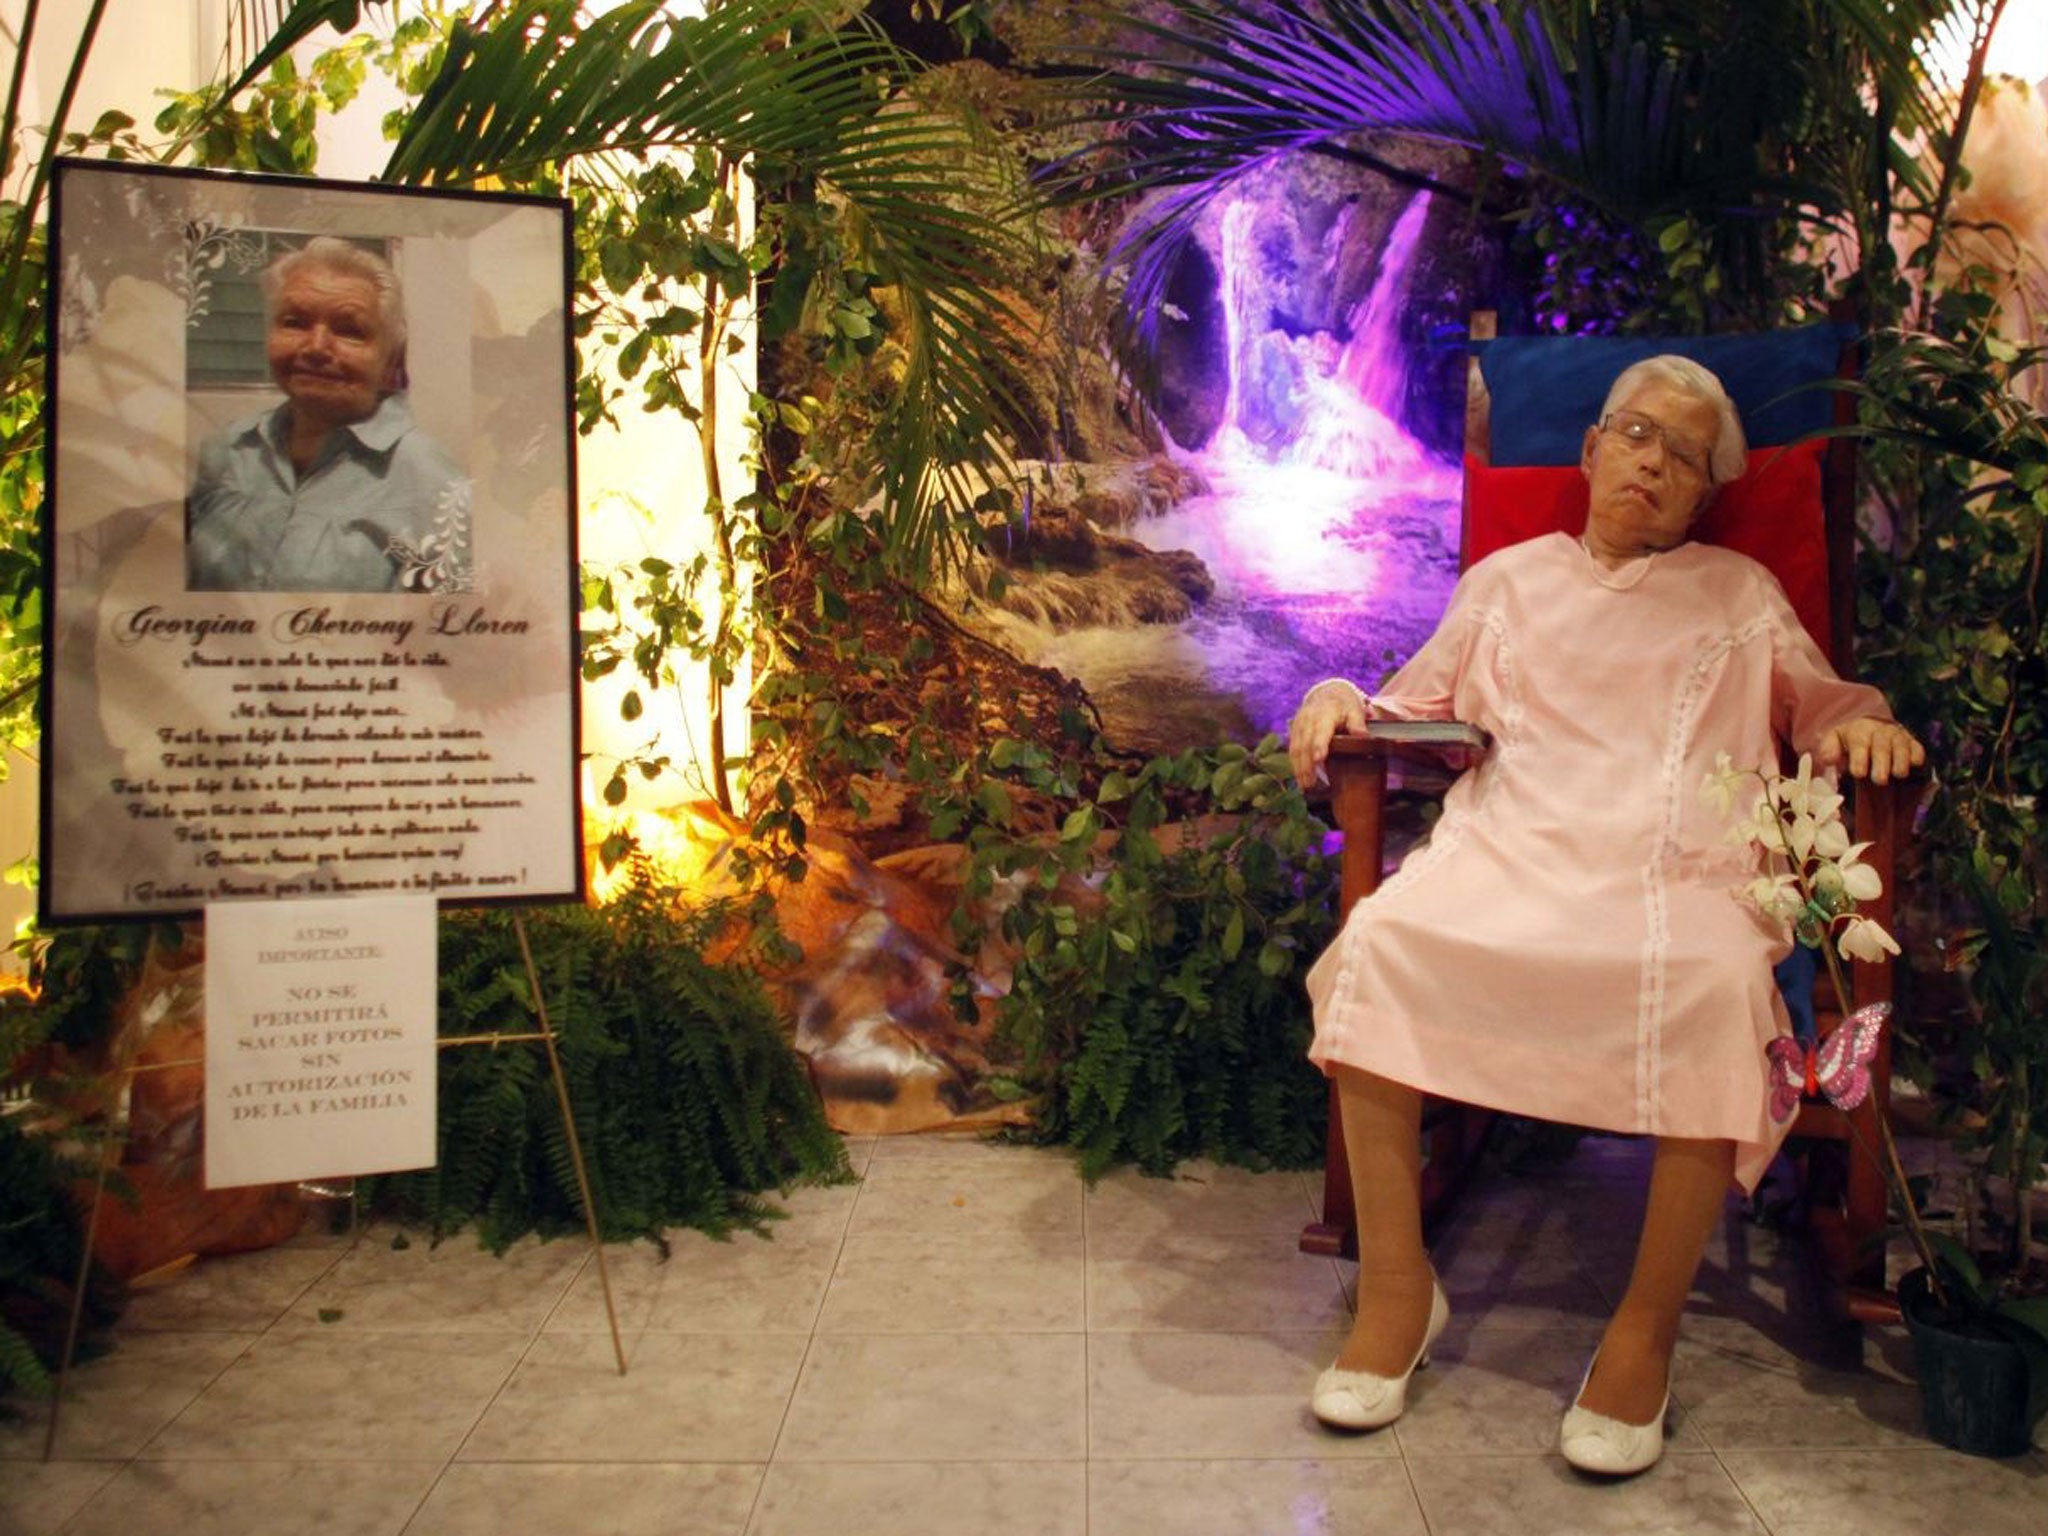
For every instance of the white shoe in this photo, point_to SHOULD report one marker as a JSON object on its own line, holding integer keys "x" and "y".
{"x": 1593, "y": 1442}
{"x": 1363, "y": 1400}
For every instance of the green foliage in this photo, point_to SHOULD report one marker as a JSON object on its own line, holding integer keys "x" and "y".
{"x": 969, "y": 20}
{"x": 665, "y": 267}
{"x": 271, "y": 125}
{"x": 1955, "y": 629}
{"x": 1594, "y": 273}
{"x": 76, "y": 978}
{"x": 22, "y": 373}
{"x": 1711, "y": 139}
{"x": 1779, "y": 124}
{"x": 689, "y": 1101}
{"x": 871, "y": 273}
{"x": 276, "y": 133}
{"x": 2006, "y": 959}
{"x": 1158, "y": 998}
{"x": 1958, "y": 621}
{"x": 1977, "y": 1301}
{"x": 40, "y": 1242}
{"x": 21, "y": 492}
{"x": 821, "y": 108}
{"x": 268, "y": 119}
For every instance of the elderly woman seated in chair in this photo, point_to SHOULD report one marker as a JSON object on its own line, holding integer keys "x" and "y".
{"x": 1567, "y": 946}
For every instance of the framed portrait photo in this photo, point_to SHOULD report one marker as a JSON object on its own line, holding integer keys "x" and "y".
{"x": 310, "y": 545}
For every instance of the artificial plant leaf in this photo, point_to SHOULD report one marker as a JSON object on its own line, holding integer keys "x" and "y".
{"x": 1958, "y": 1264}
{"x": 538, "y": 83}
{"x": 1645, "y": 114}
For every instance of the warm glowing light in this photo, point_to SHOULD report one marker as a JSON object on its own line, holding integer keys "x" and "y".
{"x": 2019, "y": 46}
{"x": 684, "y": 845}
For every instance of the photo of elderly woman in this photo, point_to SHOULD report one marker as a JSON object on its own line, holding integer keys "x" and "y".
{"x": 336, "y": 489}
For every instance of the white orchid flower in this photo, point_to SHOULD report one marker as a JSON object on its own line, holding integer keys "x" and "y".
{"x": 1862, "y": 938}
{"x": 1859, "y": 880}
{"x": 1813, "y": 876}
{"x": 1804, "y": 795}
{"x": 1793, "y": 791}
{"x": 1759, "y": 825}
{"x": 1776, "y": 896}
{"x": 1801, "y": 836}
{"x": 1719, "y": 787}
{"x": 1831, "y": 838}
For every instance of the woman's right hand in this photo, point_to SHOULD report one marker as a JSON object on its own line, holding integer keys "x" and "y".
{"x": 1330, "y": 707}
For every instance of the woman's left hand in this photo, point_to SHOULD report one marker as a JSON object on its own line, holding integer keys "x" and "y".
{"x": 1877, "y": 750}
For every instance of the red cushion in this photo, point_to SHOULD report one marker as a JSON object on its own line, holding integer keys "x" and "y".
{"x": 1773, "y": 514}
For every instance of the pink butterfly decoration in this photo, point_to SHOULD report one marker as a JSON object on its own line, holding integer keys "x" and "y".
{"x": 1837, "y": 1068}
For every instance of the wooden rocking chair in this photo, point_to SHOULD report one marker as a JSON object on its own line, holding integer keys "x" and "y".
{"x": 1793, "y": 511}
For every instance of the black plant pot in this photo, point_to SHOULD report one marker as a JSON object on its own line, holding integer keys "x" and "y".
{"x": 1973, "y": 1384}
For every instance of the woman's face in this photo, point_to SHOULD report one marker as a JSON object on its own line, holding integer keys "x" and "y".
{"x": 327, "y": 347}
{"x": 1643, "y": 495}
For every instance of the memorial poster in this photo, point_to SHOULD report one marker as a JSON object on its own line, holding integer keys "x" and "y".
{"x": 311, "y": 623}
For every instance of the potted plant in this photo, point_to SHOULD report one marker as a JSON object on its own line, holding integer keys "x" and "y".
{"x": 1980, "y": 1342}
{"x": 1980, "y": 1338}
{"x": 1956, "y": 632}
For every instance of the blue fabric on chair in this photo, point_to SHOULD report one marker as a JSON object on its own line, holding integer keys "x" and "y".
{"x": 1570, "y": 376}
{"x": 1795, "y": 976}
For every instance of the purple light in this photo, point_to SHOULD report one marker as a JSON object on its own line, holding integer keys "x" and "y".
{"x": 1331, "y": 532}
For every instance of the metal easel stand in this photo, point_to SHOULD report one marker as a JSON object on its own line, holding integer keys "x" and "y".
{"x": 545, "y": 1035}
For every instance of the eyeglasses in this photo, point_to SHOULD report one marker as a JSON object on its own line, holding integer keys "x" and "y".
{"x": 1637, "y": 430}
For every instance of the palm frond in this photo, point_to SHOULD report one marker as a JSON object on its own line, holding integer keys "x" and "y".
{"x": 772, "y": 79}
{"x": 1733, "y": 115}
{"x": 1225, "y": 85}
{"x": 260, "y": 32}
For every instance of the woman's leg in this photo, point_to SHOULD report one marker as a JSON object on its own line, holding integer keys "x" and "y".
{"x": 1689, "y": 1185}
{"x": 1383, "y": 1149}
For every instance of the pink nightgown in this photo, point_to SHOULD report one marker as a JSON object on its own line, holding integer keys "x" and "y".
{"x": 1567, "y": 946}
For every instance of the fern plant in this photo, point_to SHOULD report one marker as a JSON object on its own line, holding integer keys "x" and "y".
{"x": 63, "y": 1014}
{"x": 1166, "y": 1018}
{"x": 40, "y": 1242}
{"x": 689, "y": 1102}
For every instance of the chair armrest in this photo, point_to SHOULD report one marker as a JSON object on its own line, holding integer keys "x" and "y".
{"x": 1358, "y": 767}
{"x": 1430, "y": 745}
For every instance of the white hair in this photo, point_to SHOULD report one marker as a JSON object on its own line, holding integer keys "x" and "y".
{"x": 352, "y": 260}
{"x": 1729, "y": 456}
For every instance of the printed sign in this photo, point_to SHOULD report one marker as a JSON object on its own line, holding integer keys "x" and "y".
{"x": 319, "y": 1039}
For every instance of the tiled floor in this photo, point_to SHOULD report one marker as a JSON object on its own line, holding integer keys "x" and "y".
{"x": 970, "y": 1343}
